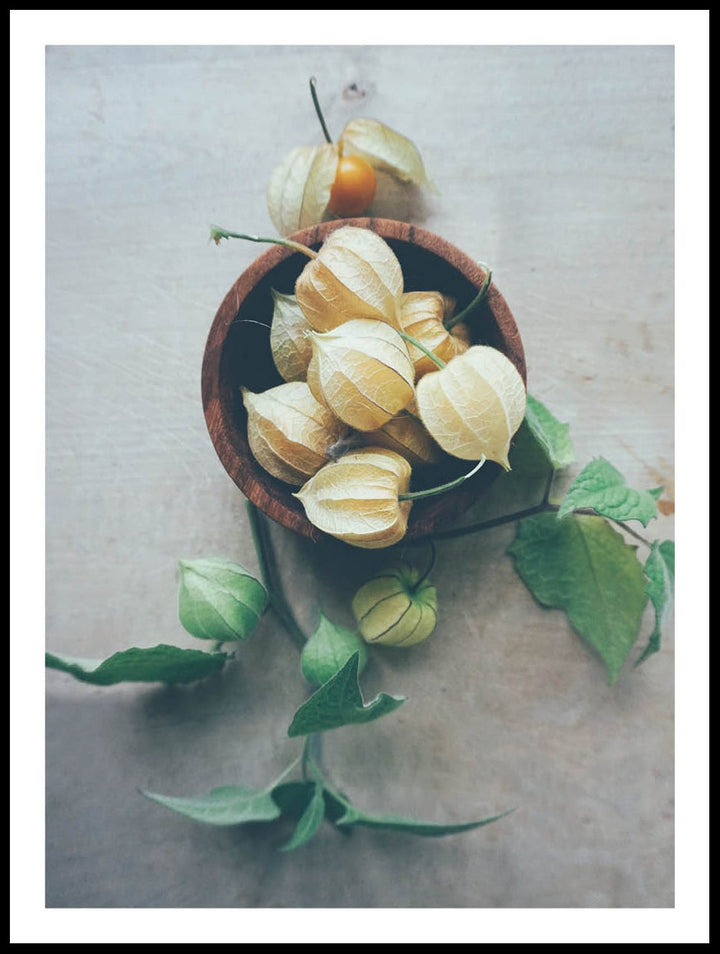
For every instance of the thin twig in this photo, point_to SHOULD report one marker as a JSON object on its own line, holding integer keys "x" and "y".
{"x": 277, "y": 600}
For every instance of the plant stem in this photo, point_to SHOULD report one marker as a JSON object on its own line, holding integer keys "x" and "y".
{"x": 543, "y": 507}
{"x": 276, "y": 598}
{"x": 441, "y": 488}
{"x": 217, "y": 233}
{"x": 285, "y": 772}
{"x": 305, "y": 756}
{"x": 316, "y": 103}
{"x": 462, "y": 315}
{"x": 421, "y": 347}
{"x": 312, "y": 756}
{"x": 428, "y": 569}
{"x": 494, "y": 522}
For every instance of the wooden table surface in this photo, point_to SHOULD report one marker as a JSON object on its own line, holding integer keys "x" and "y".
{"x": 555, "y": 165}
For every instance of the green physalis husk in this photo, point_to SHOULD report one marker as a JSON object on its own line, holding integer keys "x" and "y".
{"x": 398, "y": 607}
{"x": 327, "y": 651}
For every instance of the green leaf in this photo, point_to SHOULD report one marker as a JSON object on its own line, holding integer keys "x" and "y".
{"x": 339, "y": 702}
{"x": 155, "y": 664}
{"x": 228, "y": 805}
{"x": 353, "y": 817}
{"x": 583, "y": 566}
{"x": 219, "y": 599}
{"x": 309, "y": 821}
{"x": 602, "y": 488}
{"x": 294, "y": 797}
{"x": 660, "y": 572}
{"x": 328, "y": 649}
{"x": 552, "y": 436}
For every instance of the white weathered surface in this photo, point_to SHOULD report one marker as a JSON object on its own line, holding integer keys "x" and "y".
{"x": 555, "y": 165}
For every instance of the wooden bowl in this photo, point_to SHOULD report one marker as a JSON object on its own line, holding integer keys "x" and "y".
{"x": 238, "y": 354}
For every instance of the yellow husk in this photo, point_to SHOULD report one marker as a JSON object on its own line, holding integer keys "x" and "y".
{"x": 356, "y": 498}
{"x": 421, "y": 317}
{"x": 361, "y": 370}
{"x": 406, "y": 435}
{"x": 299, "y": 188}
{"x": 474, "y": 406}
{"x": 289, "y": 343}
{"x": 386, "y": 150}
{"x": 355, "y": 275}
{"x": 290, "y": 433}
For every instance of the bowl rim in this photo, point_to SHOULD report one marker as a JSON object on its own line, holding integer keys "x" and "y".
{"x": 230, "y": 443}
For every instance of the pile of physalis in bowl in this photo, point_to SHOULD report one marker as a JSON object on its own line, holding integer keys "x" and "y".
{"x": 378, "y": 384}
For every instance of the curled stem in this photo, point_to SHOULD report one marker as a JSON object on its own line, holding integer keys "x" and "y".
{"x": 462, "y": 315}
{"x": 217, "y": 233}
{"x": 441, "y": 488}
{"x": 316, "y": 104}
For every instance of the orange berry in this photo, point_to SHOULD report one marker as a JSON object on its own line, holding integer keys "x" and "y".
{"x": 353, "y": 188}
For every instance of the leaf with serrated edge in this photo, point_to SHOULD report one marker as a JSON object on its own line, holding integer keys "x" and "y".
{"x": 552, "y": 436}
{"x": 228, "y": 805}
{"x": 309, "y": 821}
{"x": 602, "y": 488}
{"x": 660, "y": 573}
{"x": 583, "y": 566}
{"x": 162, "y": 663}
{"x": 339, "y": 702}
{"x": 385, "y": 150}
{"x": 219, "y": 599}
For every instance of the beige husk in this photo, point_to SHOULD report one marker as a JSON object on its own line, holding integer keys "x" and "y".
{"x": 474, "y": 406}
{"x": 355, "y": 275}
{"x": 290, "y": 433}
{"x": 361, "y": 370}
{"x": 356, "y": 498}
{"x": 299, "y": 188}
{"x": 406, "y": 435}
{"x": 421, "y": 317}
{"x": 289, "y": 343}
{"x": 386, "y": 150}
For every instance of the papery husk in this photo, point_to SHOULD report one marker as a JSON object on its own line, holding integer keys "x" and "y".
{"x": 361, "y": 370}
{"x": 462, "y": 337}
{"x": 421, "y": 317}
{"x": 289, "y": 342}
{"x": 449, "y": 305}
{"x": 290, "y": 433}
{"x": 391, "y": 611}
{"x": 386, "y": 150}
{"x": 461, "y": 333}
{"x": 356, "y": 498}
{"x": 474, "y": 406}
{"x": 407, "y": 435}
{"x": 299, "y": 188}
{"x": 355, "y": 275}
